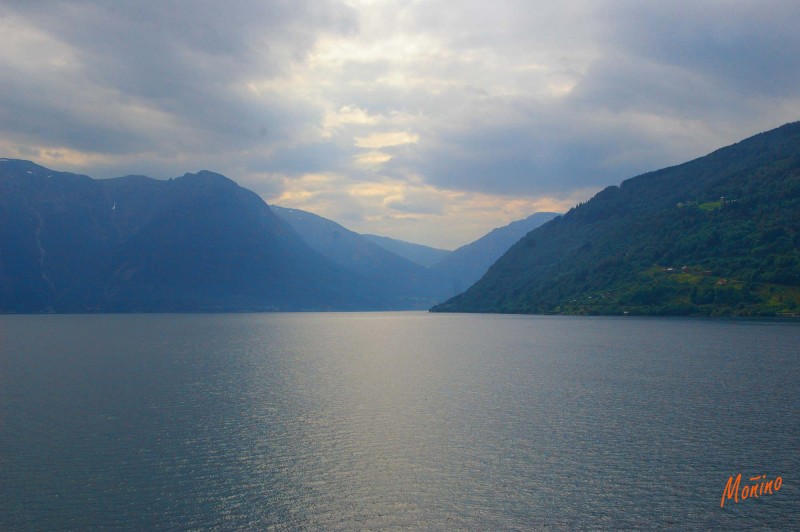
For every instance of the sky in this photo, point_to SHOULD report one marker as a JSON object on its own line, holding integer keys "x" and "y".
{"x": 431, "y": 121}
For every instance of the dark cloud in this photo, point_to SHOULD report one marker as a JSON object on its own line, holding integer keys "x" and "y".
{"x": 416, "y": 203}
{"x": 159, "y": 49}
{"x": 323, "y": 156}
{"x": 747, "y": 47}
{"x": 533, "y": 150}
{"x": 56, "y": 115}
{"x": 185, "y": 63}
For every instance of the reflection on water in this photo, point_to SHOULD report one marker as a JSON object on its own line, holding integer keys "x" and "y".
{"x": 342, "y": 421}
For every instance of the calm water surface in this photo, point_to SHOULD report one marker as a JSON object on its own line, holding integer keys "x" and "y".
{"x": 394, "y": 420}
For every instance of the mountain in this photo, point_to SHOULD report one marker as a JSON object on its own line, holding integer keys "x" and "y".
{"x": 467, "y": 264}
{"x": 395, "y": 279}
{"x": 719, "y": 235}
{"x": 423, "y": 255}
{"x": 69, "y": 243}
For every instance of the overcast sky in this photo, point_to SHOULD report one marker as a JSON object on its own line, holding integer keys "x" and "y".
{"x": 431, "y": 120}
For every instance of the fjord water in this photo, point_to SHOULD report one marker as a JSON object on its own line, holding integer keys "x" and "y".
{"x": 354, "y": 421}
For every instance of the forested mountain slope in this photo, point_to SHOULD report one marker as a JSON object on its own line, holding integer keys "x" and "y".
{"x": 719, "y": 235}
{"x": 200, "y": 242}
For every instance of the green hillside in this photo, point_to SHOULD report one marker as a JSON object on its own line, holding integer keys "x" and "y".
{"x": 719, "y": 235}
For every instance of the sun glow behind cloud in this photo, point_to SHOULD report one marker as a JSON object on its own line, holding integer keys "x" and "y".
{"x": 394, "y": 207}
{"x": 382, "y": 191}
{"x": 387, "y": 139}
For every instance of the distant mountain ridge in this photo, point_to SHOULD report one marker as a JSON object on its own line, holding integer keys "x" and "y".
{"x": 398, "y": 279}
{"x": 69, "y": 243}
{"x": 423, "y": 255}
{"x": 467, "y": 264}
{"x": 367, "y": 255}
{"x": 719, "y": 235}
{"x": 200, "y": 242}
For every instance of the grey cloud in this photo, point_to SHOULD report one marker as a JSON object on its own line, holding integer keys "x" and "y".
{"x": 153, "y": 48}
{"x": 522, "y": 27}
{"x": 670, "y": 82}
{"x": 543, "y": 152}
{"x": 747, "y": 47}
{"x": 327, "y": 156}
{"x": 185, "y": 60}
{"x": 621, "y": 83}
{"x": 416, "y": 203}
{"x": 58, "y": 120}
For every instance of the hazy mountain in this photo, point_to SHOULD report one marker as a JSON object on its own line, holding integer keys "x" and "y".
{"x": 717, "y": 235}
{"x": 467, "y": 264}
{"x": 396, "y": 279}
{"x": 198, "y": 242}
{"x": 423, "y": 255}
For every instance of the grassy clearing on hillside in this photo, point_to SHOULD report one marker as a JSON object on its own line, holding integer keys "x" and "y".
{"x": 688, "y": 291}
